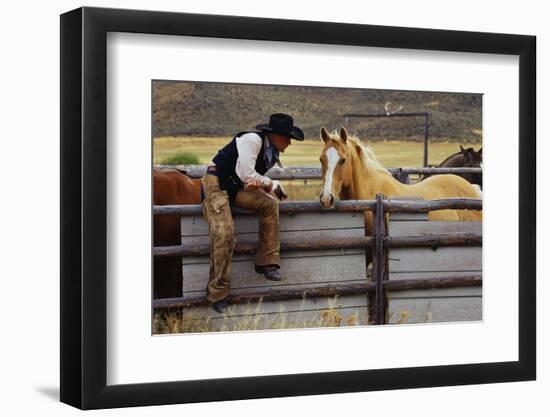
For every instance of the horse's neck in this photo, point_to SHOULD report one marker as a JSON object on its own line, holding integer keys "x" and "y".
{"x": 368, "y": 181}
{"x": 455, "y": 160}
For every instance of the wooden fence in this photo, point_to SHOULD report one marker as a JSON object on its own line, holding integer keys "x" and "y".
{"x": 323, "y": 256}
{"x": 306, "y": 173}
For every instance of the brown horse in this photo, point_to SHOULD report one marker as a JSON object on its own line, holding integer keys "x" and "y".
{"x": 467, "y": 158}
{"x": 170, "y": 187}
{"x": 352, "y": 172}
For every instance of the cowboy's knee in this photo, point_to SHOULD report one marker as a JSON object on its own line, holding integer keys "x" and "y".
{"x": 224, "y": 235}
{"x": 269, "y": 206}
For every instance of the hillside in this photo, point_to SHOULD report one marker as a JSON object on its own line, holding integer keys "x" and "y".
{"x": 218, "y": 109}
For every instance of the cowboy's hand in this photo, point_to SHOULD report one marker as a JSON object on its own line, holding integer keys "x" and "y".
{"x": 278, "y": 190}
{"x": 252, "y": 185}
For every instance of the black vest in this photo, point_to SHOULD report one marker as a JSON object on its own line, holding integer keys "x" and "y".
{"x": 226, "y": 161}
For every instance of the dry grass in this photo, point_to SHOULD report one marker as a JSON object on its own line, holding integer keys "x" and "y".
{"x": 303, "y": 190}
{"x": 251, "y": 318}
{"x": 391, "y": 153}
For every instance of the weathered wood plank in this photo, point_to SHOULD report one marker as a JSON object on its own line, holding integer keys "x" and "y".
{"x": 432, "y": 205}
{"x": 196, "y": 225}
{"x": 340, "y": 206}
{"x": 461, "y": 285}
{"x": 284, "y": 207}
{"x": 282, "y": 292}
{"x": 442, "y": 259}
{"x": 308, "y": 172}
{"x": 255, "y": 295}
{"x": 249, "y": 247}
{"x": 422, "y": 228}
{"x": 379, "y": 258}
{"x": 434, "y": 241}
{"x": 427, "y": 275}
{"x": 352, "y": 232}
{"x": 451, "y": 292}
{"x": 301, "y": 267}
{"x": 436, "y": 309}
{"x": 433, "y": 283}
{"x": 287, "y": 173}
{"x": 293, "y": 255}
{"x": 406, "y": 216}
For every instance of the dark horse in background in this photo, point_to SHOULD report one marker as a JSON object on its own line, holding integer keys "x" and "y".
{"x": 170, "y": 187}
{"x": 465, "y": 158}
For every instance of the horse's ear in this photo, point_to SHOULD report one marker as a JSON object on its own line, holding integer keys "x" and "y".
{"x": 462, "y": 149}
{"x": 343, "y": 134}
{"x": 479, "y": 152}
{"x": 324, "y": 134}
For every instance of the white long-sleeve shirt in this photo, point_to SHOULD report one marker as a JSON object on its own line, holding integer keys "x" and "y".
{"x": 248, "y": 148}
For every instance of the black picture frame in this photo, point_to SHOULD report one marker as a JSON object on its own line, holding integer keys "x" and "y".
{"x": 84, "y": 207}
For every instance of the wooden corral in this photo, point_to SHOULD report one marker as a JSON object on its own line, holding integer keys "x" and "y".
{"x": 325, "y": 277}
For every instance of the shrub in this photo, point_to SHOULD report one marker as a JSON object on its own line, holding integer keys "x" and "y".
{"x": 181, "y": 158}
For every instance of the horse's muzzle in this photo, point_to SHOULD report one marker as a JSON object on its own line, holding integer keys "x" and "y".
{"x": 327, "y": 203}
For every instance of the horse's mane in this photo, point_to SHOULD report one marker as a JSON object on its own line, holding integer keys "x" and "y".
{"x": 369, "y": 158}
{"x": 450, "y": 157}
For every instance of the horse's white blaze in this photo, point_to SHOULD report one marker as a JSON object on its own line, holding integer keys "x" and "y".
{"x": 332, "y": 156}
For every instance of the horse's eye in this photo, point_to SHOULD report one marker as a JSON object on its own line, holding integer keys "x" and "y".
{"x": 341, "y": 161}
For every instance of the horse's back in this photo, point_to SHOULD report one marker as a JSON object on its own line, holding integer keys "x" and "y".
{"x": 447, "y": 186}
{"x": 174, "y": 187}
{"x": 450, "y": 186}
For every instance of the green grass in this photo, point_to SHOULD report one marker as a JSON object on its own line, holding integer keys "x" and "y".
{"x": 181, "y": 158}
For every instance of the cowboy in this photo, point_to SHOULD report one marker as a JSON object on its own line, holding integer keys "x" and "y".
{"x": 235, "y": 177}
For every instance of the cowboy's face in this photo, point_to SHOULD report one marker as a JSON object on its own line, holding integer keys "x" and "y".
{"x": 280, "y": 142}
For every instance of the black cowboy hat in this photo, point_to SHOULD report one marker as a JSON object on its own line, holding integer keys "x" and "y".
{"x": 282, "y": 124}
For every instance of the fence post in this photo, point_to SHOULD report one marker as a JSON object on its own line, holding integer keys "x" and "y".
{"x": 379, "y": 260}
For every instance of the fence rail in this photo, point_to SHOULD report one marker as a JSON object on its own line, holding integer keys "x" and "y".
{"x": 368, "y": 287}
{"x": 314, "y": 173}
{"x": 340, "y": 206}
{"x": 247, "y": 248}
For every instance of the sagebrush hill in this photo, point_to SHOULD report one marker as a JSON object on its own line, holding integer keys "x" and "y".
{"x": 222, "y": 109}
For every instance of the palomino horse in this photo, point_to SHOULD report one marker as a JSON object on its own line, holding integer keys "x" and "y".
{"x": 170, "y": 187}
{"x": 352, "y": 172}
{"x": 467, "y": 158}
